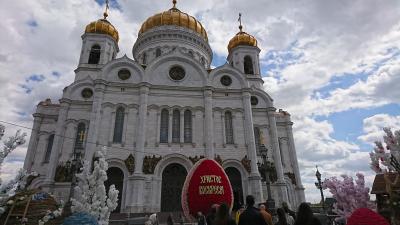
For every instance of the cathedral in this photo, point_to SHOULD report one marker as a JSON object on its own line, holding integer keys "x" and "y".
{"x": 160, "y": 112}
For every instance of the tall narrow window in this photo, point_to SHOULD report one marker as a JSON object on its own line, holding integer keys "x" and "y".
{"x": 257, "y": 139}
{"x": 80, "y": 136}
{"x": 176, "y": 126}
{"x": 228, "y": 128}
{"x": 248, "y": 65}
{"x": 144, "y": 58}
{"x": 158, "y": 52}
{"x": 119, "y": 125}
{"x": 48, "y": 149}
{"x": 94, "y": 56}
{"x": 164, "y": 126}
{"x": 188, "y": 126}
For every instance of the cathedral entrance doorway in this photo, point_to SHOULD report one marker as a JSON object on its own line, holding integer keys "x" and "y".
{"x": 236, "y": 181}
{"x": 116, "y": 177}
{"x": 173, "y": 178}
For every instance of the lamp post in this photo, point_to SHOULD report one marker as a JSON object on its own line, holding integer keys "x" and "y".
{"x": 319, "y": 186}
{"x": 265, "y": 169}
{"x": 74, "y": 168}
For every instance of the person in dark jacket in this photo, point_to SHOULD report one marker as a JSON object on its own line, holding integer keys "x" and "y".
{"x": 281, "y": 217}
{"x": 211, "y": 215}
{"x": 251, "y": 216}
{"x": 201, "y": 220}
{"x": 305, "y": 216}
{"x": 223, "y": 217}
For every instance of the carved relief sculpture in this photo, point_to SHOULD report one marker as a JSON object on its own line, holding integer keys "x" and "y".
{"x": 218, "y": 159}
{"x": 195, "y": 159}
{"x": 63, "y": 172}
{"x": 246, "y": 163}
{"x": 150, "y": 163}
{"x": 130, "y": 163}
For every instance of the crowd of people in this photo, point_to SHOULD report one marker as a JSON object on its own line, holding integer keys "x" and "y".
{"x": 251, "y": 215}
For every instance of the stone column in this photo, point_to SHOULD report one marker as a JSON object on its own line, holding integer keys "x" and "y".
{"x": 277, "y": 156}
{"x": 136, "y": 203}
{"x": 254, "y": 179}
{"x": 141, "y": 135}
{"x": 170, "y": 118}
{"x": 124, "y": 131}
{"x": 209, "y": 124}
{"x": 58, "y": 140}
{"x": 223, "y": 128}
{"x": 94, "y": 122}
{"x": 299, "y": 185}
{"x": 32, "y": 147}
{"x": 182, "y": 127}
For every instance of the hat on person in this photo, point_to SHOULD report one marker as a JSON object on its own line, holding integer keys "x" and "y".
{"x": 364, "y": 216}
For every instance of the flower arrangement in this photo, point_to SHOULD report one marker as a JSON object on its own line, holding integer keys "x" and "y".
{"x": 50, "y": 215}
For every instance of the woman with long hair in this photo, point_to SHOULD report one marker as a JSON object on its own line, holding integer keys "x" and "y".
{"x": 222, "y": 217}
{"x": 305, "y": 216}
{"x": 281, "y": 217}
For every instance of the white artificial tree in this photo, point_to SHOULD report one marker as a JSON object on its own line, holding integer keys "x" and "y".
{"x": 90, "y": 195}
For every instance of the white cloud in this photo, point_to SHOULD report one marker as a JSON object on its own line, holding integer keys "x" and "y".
{"x": 373, "y": 127}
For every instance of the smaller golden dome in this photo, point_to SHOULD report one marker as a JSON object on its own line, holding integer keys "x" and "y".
{"x": 242, "y": 38}
{"x": 102, "y": 26}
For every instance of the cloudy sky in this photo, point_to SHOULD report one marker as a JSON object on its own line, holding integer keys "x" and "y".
{"x": 334, "y": 65}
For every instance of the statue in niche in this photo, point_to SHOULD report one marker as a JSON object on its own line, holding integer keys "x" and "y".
{"x": 150, "y": 163}
{"x": 195, "y": 159}
{"x": 218, "y": 159}
{"x": 64, "y": 172}
{"x": 130, "y": 163}
{"x": 246, "y": 163}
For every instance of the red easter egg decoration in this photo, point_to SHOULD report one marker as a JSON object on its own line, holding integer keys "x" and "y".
{"x": 205, "y": 185}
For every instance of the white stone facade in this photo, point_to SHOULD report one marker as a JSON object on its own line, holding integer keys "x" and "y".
{"x": 143, "y": 96}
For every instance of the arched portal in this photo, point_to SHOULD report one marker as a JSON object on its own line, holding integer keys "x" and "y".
{"x": 236, "y": 181}
{"x": 116, "y": 177}
{"x": 173, "y": 178}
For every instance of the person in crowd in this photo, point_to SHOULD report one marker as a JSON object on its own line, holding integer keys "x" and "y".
{"x": 152, "y": 220}
{"x": 305, "y": 216}
{"x": 201, "y": 220}
{"x": 211, "y": 215}
{"x": 281, "y": 217}
{"x": 288, "y": 211}
{"x": 223, "y": 217}
{"x": 242, "y": 208}
{"x": 170, "y": 221}
{"x": 251, "y": 216}
{"x": 267, "y": 217}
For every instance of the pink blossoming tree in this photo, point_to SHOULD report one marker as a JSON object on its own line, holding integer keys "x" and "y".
{"x": 349, "y": 195}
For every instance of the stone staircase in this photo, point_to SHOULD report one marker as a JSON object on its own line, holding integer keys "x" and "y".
{"x": 141, "y": 218}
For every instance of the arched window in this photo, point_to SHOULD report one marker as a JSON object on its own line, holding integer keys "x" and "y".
{"x": 48, "y": 149}
{"x": 80, "y": 136}
{"x": 176, "y": 126}
{"x": 188, "y": 126}
{"x": 94, "y": 57}
{"x": 144, "y": 58}
{"x": 158, "y": 52}
{"x": 228, "y": 128}
{"x": 257, "y": 138}
{"x": 248, "y": 65}
{"x": 119, "y": 125}
{"x": 164, "y": 126}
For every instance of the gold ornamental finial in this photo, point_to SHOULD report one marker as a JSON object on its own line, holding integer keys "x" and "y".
{"x": 105, "y": 14}
{"x": 174, "y": 2}
{"x": 240, "y": 22}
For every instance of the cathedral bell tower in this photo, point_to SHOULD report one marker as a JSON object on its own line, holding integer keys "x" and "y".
{"x": 99, "y": 42}
{"x": 244, "y": 56}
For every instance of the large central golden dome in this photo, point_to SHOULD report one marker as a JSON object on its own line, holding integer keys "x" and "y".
{"x": 175, "y": 17}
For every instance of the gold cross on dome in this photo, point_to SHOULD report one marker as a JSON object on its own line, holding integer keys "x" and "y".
{"x": 174, "y": 2}
{"x": 240, "y": 22}
{"x": 106, "y": 10}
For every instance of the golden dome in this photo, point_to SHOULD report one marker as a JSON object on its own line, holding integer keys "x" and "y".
{"x": 102, "y": 26}
{"x": 174, "y": 17}
{"x": 242, "y": 38}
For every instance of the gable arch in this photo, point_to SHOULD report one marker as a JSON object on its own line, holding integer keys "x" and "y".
{"x": 263, "y": 96}
{"x": 157, "y": 71}
{"x": 74, "y": 90}
{"x": 111, "y": 69}
{"x": 172, "y": 158}
{"x": 226, "y": 69}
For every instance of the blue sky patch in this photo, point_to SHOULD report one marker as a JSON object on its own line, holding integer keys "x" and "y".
{"x": 32, "y": 23}
{"x": 56, "y": 74}
{"x": 113, "y": 4}
{"x": 27, "y": 89}
{"x": 35, "y": 78}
